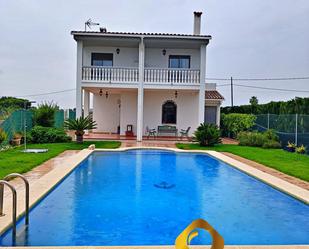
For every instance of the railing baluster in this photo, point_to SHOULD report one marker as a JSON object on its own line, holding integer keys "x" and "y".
{"x": 151, "y": 75}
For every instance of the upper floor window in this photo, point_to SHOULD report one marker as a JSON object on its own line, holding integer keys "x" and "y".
{"x": 102, "y": 59}
{"x": 169, "y": 112}
{"x": 179, "y": 61}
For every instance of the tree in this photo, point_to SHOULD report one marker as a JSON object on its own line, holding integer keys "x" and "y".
{"x": 254, "y": 104}
{"x": 44, "y": 115}
{"x": 11, "y": 104}
{"x": 254, "y": 101}
{"x": 79, "y": 125}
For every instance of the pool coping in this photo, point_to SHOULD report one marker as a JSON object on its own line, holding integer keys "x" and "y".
{"x": 40, "y": 188}
{"x": 48, "y": 182}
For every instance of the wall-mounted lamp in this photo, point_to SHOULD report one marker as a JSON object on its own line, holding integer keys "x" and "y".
{"x": 101, "y": 92}
{"x": 176, "y": 94}
{"x": 106, "y": 94}
{"x": 164, "y": 51}
{"x": 118, "y": 50}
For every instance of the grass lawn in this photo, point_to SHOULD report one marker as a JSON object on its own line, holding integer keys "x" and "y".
{"x": 15, "y": 161}
{"x": 289, "y": 163}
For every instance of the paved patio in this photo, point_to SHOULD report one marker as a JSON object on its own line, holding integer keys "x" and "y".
{"x": 107, "y": 136}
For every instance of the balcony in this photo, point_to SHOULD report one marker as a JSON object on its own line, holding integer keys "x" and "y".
{"x": 110, "y": 74}
{"x": 172, "y": 76}
{"x": 152, "y": 76}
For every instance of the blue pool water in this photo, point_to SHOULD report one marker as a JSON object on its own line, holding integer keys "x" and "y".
{"x": 118, "y": 198}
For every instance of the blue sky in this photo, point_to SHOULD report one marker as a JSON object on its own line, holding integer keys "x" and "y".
{"x": 256, "y": 38}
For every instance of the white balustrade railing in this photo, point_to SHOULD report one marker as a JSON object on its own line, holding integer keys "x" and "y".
{"x": 170, "y": 75}
{"x": 110, "y": 74}
{"x": 131, "y": 75}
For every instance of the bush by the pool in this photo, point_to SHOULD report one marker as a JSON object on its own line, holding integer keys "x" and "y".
{"x": 207, "y": 135}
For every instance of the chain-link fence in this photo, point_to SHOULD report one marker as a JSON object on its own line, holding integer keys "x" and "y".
{"x": 289, "y": 127}
{"x": 22, "y": 119}
{"x": 18, "y": 121}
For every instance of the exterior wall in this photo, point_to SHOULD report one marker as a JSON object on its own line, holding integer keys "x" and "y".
{"x": 187, "y": 109}
{"x": 128, "y": 57}
{"x": 106, "y": 112}
{"x": 128, "y": 111}
{"x": 154, "y": 57}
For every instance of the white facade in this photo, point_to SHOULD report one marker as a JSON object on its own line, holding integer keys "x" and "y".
{"x": 140, "y": 78}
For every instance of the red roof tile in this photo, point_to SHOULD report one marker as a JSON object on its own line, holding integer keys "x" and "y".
{"x": 213, "y": 94}
{"x": 137, "y": 33}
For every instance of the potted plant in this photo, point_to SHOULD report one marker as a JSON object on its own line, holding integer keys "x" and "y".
{"x": 79, "y": 125}
{"x": 15, "y": 141}
{"x": 301, "y": 149}
{"x": 290, "y": 147}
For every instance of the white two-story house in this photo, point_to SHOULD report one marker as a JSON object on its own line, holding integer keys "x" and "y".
{"x": 144, "y": 80}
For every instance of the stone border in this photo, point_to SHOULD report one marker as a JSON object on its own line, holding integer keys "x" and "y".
{"x": 40, "y": 188}
{"x": 49, "y": 181}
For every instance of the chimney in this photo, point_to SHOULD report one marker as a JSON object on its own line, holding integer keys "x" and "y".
{"x": 197, "y": 23}
{"x": 103, "y": 30}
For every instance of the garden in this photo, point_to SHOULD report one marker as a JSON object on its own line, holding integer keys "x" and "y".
{"x": 44, "y": 135}
{"x": 262, "y": 147}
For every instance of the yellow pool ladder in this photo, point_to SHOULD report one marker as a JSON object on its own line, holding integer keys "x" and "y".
{"x": 184, "y": 238}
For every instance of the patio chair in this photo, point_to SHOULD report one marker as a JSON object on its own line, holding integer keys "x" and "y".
{"x": 150, "y": 132}
{"x": 185, "y": 133}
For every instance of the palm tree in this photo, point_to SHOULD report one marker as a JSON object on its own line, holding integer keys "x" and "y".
{"x": 79, "y": 125}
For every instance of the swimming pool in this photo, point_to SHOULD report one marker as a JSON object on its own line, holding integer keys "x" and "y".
{"x": 147, "y": 197}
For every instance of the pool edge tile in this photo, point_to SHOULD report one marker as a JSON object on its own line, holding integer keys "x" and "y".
{"x": 40, "y": 188}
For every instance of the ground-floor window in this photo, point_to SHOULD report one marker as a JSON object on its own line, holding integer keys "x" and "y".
{"x": 169, "y": 112}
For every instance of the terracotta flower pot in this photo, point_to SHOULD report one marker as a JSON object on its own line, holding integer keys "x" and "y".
{"x": 79, "y": 136}
{"x": 16, "y": 141}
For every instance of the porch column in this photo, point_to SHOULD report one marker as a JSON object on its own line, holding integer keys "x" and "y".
{"x": 79, "y": 66}
{"x": 86, "y": 102}
{"x": 218, "y": 114}
{"x": 140, "y": 92}
{"x": 201, "y": 108}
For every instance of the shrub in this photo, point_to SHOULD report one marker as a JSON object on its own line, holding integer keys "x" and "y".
{"x": 272, "y": 144}
{"x": 267, "y": 139}
{"x": 40, "y": 134}
{"x": 207, "y": 135}
{"x": 44, "y": 115}
{"x": 3, "y": 135}
{"x": 301, "y": 149}
{"x": 232, "y": 124}
{"x": 271, "y": 135}
{"x": 251, "y": 139}
{"x": 291, "y": 147}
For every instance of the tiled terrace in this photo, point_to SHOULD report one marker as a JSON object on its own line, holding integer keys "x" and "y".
{"x": 106, "y": 136}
